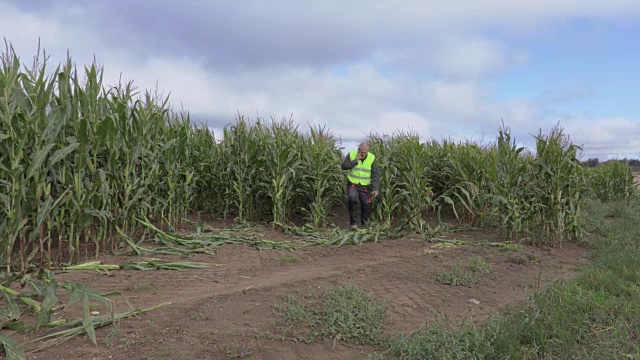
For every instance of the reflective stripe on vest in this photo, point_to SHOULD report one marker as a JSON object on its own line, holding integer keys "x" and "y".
{"x": 361, "y": 173}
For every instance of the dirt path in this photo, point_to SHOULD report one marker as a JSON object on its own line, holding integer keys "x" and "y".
{"x": 217, "y": 313}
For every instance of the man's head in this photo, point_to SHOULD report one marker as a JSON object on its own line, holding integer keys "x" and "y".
{"x": 363, "y": 149}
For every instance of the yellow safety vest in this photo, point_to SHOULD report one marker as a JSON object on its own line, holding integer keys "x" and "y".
{"x": 361, "y": 173}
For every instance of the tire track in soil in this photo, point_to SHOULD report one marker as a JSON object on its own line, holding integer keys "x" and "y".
{"x": 400, "y": 274}
{"x": 213, "y": 308}
{"x": 188, "y": 286}
{"x": 409, "y": 295}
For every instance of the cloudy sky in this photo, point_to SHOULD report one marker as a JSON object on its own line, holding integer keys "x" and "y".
{"x": 447, "y": 69}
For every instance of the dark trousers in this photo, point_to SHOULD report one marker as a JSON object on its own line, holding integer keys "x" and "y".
{"x": 359, "y": 192}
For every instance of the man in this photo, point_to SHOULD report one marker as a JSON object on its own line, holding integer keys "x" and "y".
{"x": 363, "y": 182}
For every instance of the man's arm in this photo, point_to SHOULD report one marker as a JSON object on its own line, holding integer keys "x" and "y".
{"x": 348, "y": 164}
{"x": 375, "y": 176}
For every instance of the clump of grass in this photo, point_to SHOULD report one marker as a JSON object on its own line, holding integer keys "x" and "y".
{"x": 517, "y": 259}
{"x": 458, "y": 275}
{"x": 199, "y": 315}
{"x": 301, "y": 318}
{"x": 355, "y": 316}
{"x": 523, "y": 258}
{"x": 534, "y": 259}
{"x": 289, "y": 259}
{"x": 144, "y": 288}
{"x": 479, "y": 265}
{"x": 344, "y": 313}
{"x": 440, "y": 340}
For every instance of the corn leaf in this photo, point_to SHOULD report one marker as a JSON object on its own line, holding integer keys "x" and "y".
{"x": 38, "y": 159}
{"x": 87, "y": 322}
{"x": 12, "y": 350}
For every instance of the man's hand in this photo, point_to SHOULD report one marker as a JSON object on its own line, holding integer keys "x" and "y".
{"x": 359, "y": 156}
{"x": 375, "y": 193}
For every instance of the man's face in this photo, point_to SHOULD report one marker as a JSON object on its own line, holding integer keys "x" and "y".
{"x": 363, "y": 152}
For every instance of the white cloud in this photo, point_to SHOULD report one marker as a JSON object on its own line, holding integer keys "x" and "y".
{"x": 605, "y": 137}
{"x": 456, "y": 57}
{"x": 469, "y": 57}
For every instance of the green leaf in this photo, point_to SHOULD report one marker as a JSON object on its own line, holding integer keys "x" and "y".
{"x": 87, "y": 322}
{"x": 169, "y": 144}
{"x": 50, "y": 300}
{"x": 38, "y": 159}
{"x": 12, "y": 349}
{"x": 37, "y": 288}
{"x": 14, "y": 309}
{"x": 78, "y": 291}
{"x": 17, "y": 326}
{"x": 83, "y": 136}
{"x": 62, "y": 153}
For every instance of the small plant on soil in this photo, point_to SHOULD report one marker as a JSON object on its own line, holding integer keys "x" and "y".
{"x": 144, "y": 288}
{"x": 199, "y": 316}
{"x": 479, "y": 265}
{"x": 517, "y": 259}
{"x": 440, "y": 340}
{"x": 344, "y": 313}
{"x": 240, "y": 351}
{"x": 521, "y": 259}
{"x": 465, "y": 276}
{"x": 300, "y": 318}
{"x": 457, "y": 276}
{"x": 355, "y": 316}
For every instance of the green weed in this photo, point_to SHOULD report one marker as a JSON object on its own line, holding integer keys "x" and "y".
{"x": 345, "y": 313}
{"x": 458, "y": 275}
{"x": 301, "y": 318}
{"x": 479, "y": 265}
{"x": 593, "y": 316}
{"x": 440, "y": 340}
{"x": 355, "y": 316}
{"x": 144, "y": 288}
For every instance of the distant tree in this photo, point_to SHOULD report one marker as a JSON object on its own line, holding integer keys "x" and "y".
{"x": 591, "y": 162}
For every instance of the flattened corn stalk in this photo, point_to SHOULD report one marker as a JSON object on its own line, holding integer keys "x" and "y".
{"x": 45, "y": 287}
{"x": 207, "y": 241}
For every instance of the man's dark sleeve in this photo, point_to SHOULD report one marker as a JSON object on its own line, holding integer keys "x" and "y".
{"x": 348, "y": 164}
{"x": 375, "y": 176}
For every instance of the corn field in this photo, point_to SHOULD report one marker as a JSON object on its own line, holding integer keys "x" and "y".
{"x": 528, "y": 196}
{"x": 80, "y": 161}
{"x": 611, "y": 181}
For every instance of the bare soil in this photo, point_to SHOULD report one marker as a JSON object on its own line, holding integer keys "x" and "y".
{"x": 217, "y": 313}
